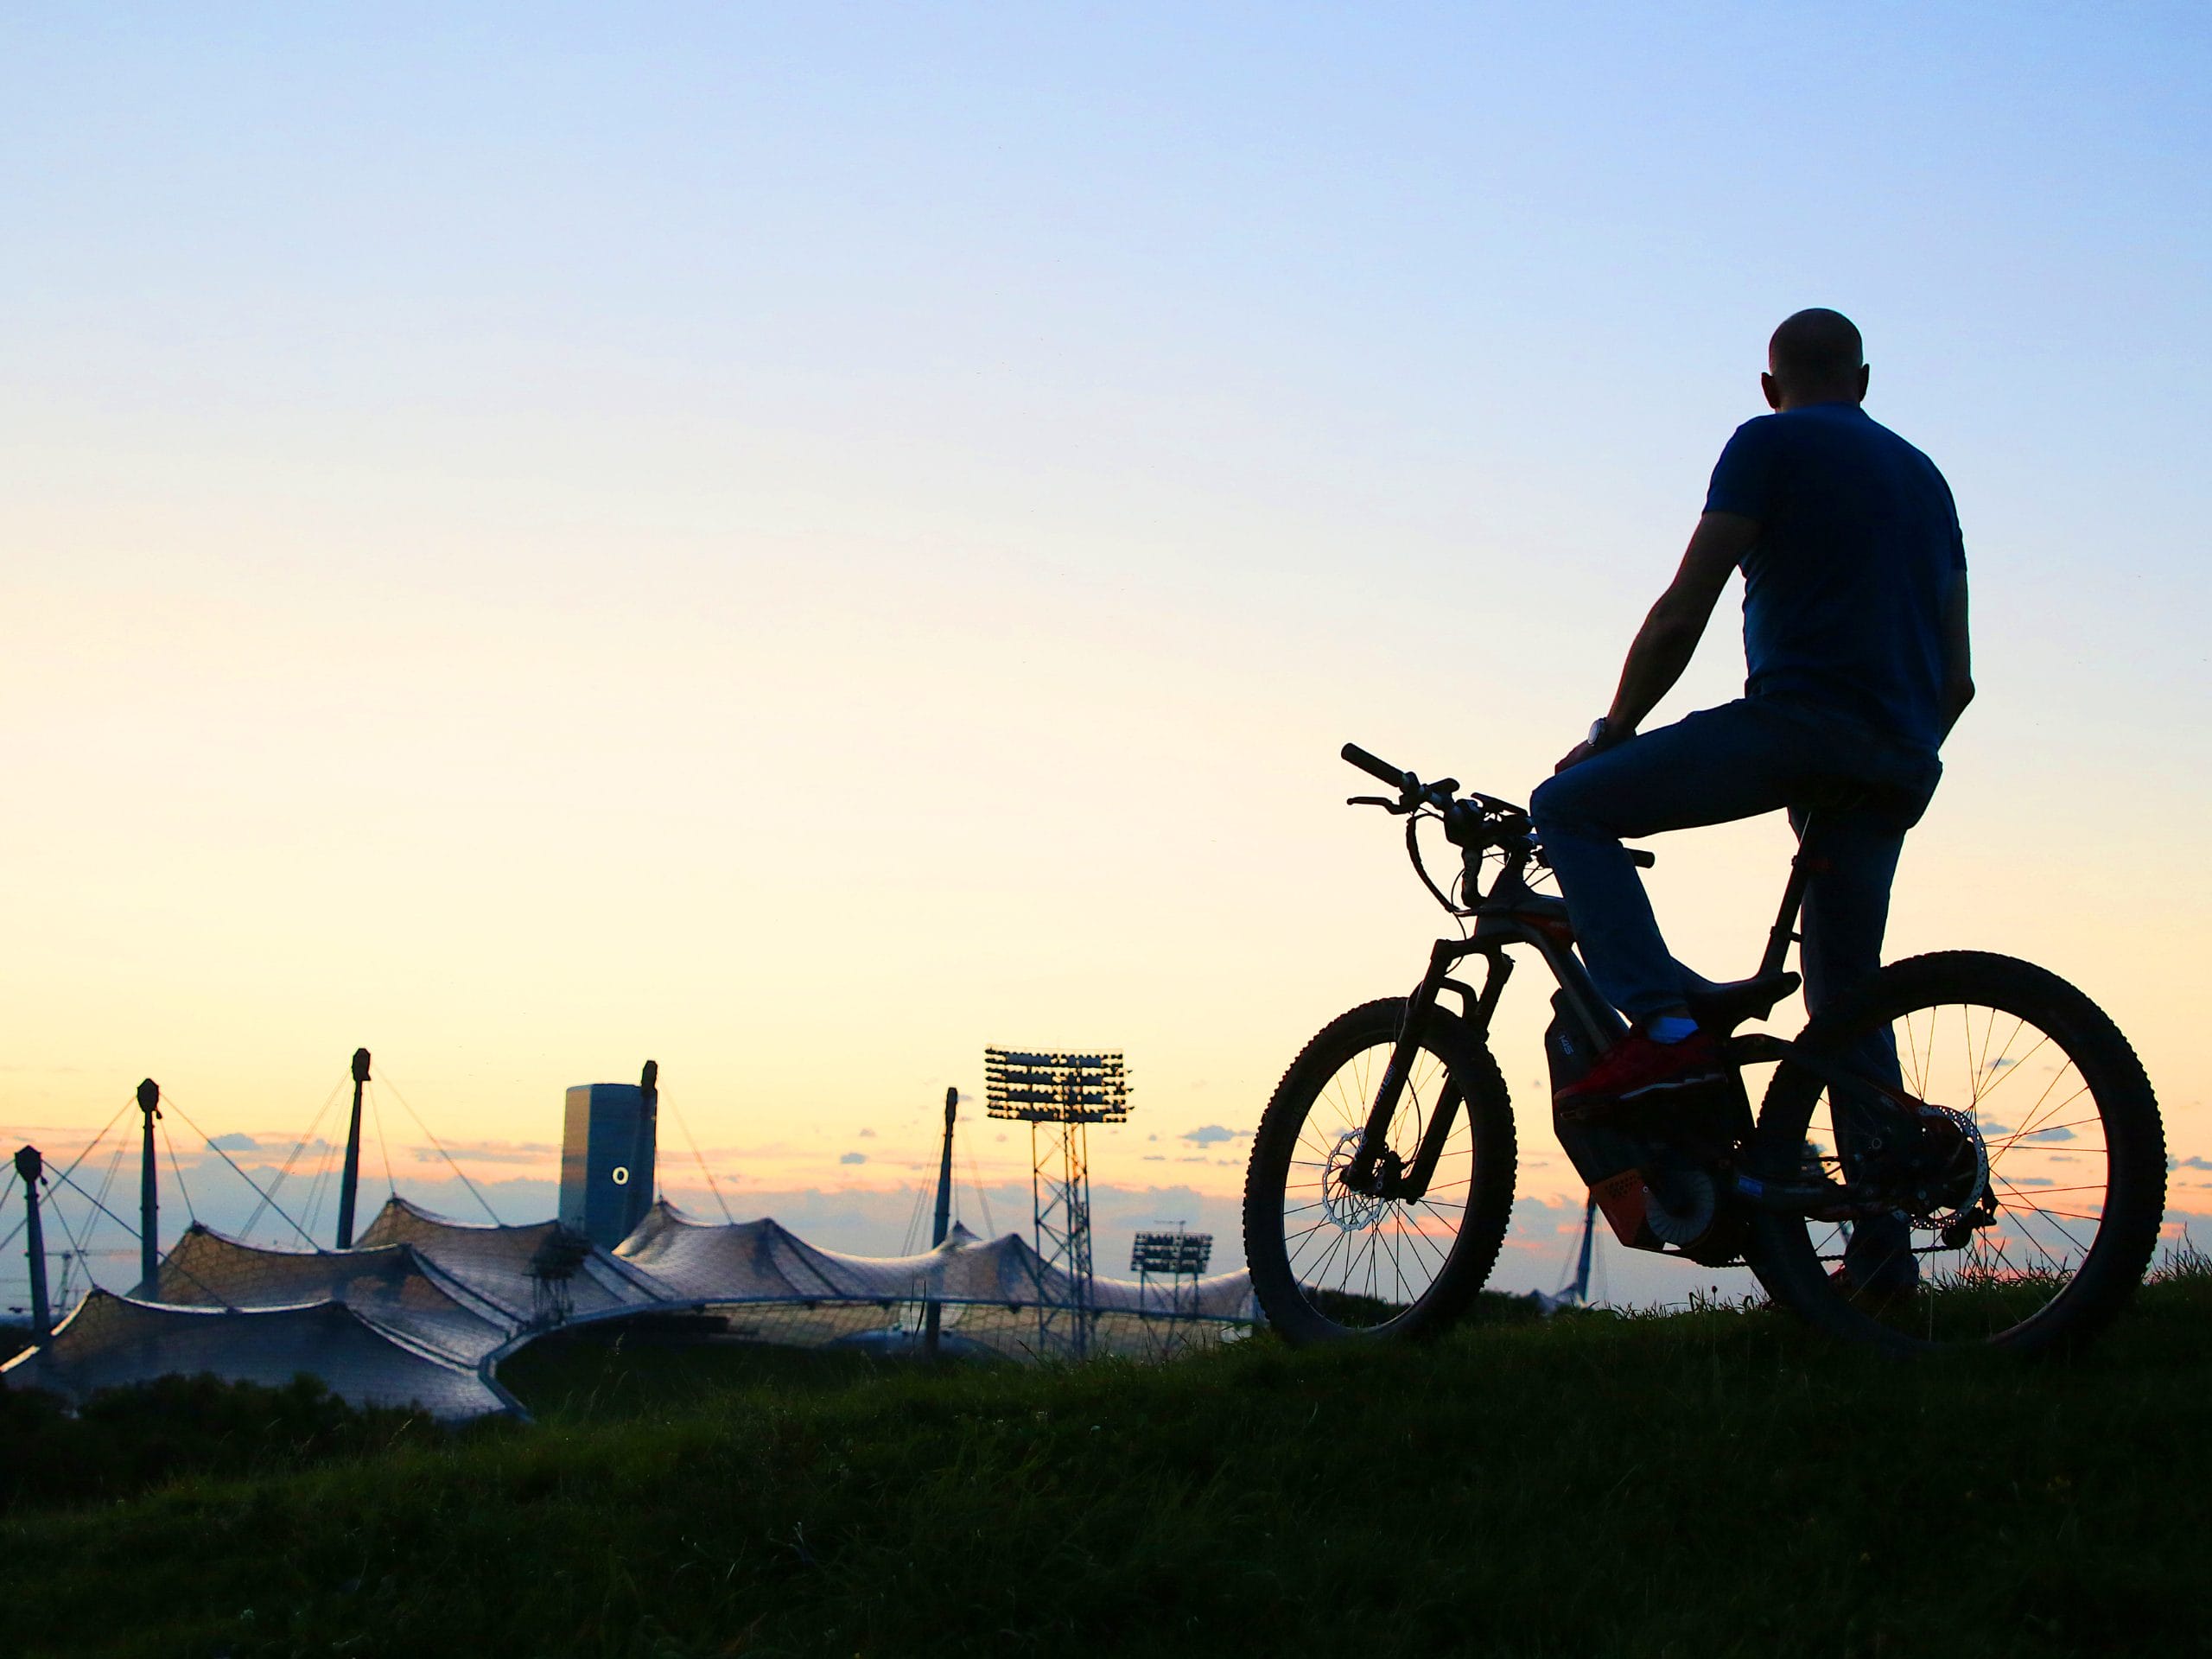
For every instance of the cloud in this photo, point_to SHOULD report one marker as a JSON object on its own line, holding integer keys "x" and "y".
{"x": 490, "y": 1151}
{"x": 2189, "y": 1163}
{"x": 854, "y": 1157}
{"x": 234, "y": 1143}
{"x": 2062, "y": 1133}
{"x": 867, "y": 1135}
{"x": 1211, "y": 1135}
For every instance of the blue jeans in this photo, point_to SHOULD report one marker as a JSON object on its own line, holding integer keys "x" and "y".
{"x": 1739, "y": 760}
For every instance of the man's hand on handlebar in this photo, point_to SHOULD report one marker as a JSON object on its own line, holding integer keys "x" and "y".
{"x": 1478, "y": 821}
{"x": 1604, "y": 734}
{"x": 1574, "y": 757}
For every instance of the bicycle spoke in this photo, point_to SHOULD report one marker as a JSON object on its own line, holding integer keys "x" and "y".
{"x": 2038, "y": 1124}
{"x": 2047, "y": 1147}
{"x": 1381, "y": 1253}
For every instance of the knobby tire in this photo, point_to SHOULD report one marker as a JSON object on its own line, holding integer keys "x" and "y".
{"x": 1468, "y": 1064}
{"x": 1787, "y": 1257}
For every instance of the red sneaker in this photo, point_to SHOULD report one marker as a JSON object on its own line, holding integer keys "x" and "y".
{"x": 1638, "y": 1069}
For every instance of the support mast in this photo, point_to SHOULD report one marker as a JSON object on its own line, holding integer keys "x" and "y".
{"x": 1581, "y": 1291}
{"x": 349, "y": 1178}
{"x": 150, "y": 1192}
{"x": 643, "y": 1155}
{"x": 942, "y": 1227}
{"x": 31, "y": 1167}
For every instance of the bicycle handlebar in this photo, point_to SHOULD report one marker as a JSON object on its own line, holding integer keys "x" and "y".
{"x": 1474, "y": 824}
{"x": 1373, "y": 766}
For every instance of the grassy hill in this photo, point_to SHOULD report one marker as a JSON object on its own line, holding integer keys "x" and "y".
{"x": 1712, "y": 1483}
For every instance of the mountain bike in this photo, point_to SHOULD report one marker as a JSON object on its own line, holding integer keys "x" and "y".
{"x": 1976, "y": 1109}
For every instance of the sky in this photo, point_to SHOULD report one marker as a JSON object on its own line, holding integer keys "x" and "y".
{"x": 801, "y": 541}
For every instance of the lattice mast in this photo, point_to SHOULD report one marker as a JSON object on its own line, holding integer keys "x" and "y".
{"x": 1059, "y": 1096}
{"x": 1181, "y": 1259}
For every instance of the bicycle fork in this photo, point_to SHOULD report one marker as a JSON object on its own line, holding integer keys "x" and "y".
{"x": 1376, "y": 1170}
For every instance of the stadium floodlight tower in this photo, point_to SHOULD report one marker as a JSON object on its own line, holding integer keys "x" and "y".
{"x": 1060, "y": 1096}
{"x": 1180, "y": 1258}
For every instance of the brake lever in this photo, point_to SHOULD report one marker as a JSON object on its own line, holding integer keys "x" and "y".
{"x": 1382, "y": 801}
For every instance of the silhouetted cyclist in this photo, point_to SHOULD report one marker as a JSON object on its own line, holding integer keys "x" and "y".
{"x": 1856, "y": 642}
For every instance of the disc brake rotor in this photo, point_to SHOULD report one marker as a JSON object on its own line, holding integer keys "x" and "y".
{"x": 1951, "y": 1196}
{"x": 1350, "y": 1211}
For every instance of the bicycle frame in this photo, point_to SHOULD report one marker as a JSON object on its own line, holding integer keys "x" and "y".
{"x": 1512, "y": 914}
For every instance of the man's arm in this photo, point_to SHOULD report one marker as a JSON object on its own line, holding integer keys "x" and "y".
{"x": 1958, "y": 655}
{"x": 1667, "y": 639}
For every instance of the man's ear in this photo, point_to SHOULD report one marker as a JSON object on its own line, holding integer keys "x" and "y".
{"x": 1773, "y": 392}
{"x": 1866, "y": 370}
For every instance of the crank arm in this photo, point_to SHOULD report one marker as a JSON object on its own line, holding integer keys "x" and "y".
{"x": 1824, "y": 1199}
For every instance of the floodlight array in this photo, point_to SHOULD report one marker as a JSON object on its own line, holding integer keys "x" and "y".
{"x": 1174, "y": 1255}
{"x": 1036, "y": 1088}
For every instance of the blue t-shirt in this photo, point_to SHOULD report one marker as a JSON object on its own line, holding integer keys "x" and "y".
{"x": 1845, "y": 587}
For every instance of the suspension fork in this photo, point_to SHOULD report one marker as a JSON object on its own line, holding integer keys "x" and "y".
{"x": 1376, "y": 1170}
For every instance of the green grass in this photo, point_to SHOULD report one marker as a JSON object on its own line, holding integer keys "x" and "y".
{"x": 1710, "y": 1483}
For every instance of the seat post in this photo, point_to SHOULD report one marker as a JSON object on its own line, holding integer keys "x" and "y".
{"x": 1804, "y": 864}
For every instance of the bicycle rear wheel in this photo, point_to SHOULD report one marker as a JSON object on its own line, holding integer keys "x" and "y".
{"x": 2042, "y": 1089}
{"x": 1329, "y": 1264}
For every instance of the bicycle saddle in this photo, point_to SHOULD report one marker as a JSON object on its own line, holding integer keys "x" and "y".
{"x": 1721, "y": 1007}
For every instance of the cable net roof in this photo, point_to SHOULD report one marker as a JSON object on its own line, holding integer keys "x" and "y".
{"x": 112, "y": 1341}
{"x": 762, "y": 1260}
{"x": 537, "y": 1273}
{"x": 423, "y": 1310}
{"x": 394, "y": 1286}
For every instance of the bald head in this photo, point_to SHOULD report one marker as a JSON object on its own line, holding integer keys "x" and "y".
{"x": 1816, "y": 357}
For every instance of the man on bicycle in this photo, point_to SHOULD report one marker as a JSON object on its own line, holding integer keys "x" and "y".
{"x": 1855, "y": 638}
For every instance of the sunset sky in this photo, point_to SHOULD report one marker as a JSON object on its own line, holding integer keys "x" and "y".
{"x": 799, "y": 541}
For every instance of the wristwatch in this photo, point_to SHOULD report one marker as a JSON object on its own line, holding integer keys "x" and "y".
{"x": 1598, "y": 738}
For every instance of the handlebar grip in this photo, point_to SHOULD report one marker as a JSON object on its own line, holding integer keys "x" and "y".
{"x": 1373, "y": 768}
{"x": 1641, "y": 859}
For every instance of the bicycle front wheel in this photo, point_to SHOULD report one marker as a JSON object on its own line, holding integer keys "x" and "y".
{"x": 2054, "y": 1212}
{"x": 1328, "y": 1263}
